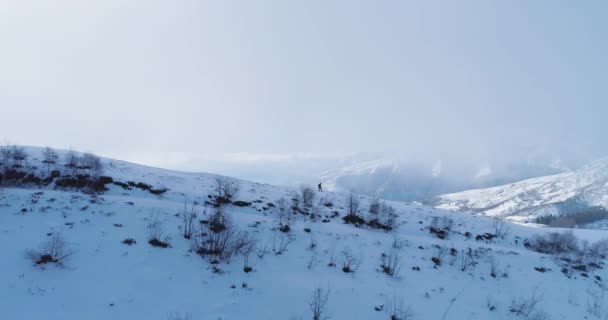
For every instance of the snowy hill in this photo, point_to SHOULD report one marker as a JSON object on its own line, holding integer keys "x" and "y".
{"x": 398, "y": 179}
{"x": 561, "y": 194}
{"x": 433, "y": 264}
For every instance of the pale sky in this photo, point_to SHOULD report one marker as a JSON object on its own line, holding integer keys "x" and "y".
{"x": 431, "y": 79}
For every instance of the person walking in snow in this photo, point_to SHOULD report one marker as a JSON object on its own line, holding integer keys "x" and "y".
{"x": 320, "y": 188}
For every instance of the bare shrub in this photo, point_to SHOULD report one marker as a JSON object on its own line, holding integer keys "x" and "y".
{"x": 155, "y": 227}
{"x": 491, "y": 303}
{"x": 599, "y": 249}
{"x": 226, "y": 188}
{"x": 494, "y": 266}
{"x": 398, "y": 310}
{"x": 442, "y": 252}
{"x": 442, "y": 223}
{"x": 555, "y": 243}
{"x": 387, "y": 215}
{"x": 296, "y": 202}
{"x": 308, "y": 196}
{"x": 219, "y": 240}
{"x": 332, "y": 256}
{"x": 54, "y": 250}
{"x": 279, "y": 246}
{"x": 527, "y": 307}
{"x": 352, "y": 204}
{"x": 466, "y": 260}
{"x": 391, "y": 261}
{"x": 596, "y": 301}
{"x": 318, "y": 304}
{"x": 283, "y": 214}
{"x": 501, "y": 228}
{"x": 188, "y": 215}
{"x": 350, "y": 263}
{"x": 374, "y": 206}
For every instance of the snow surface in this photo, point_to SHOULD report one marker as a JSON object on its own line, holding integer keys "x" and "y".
{"x": 106, "y": 279}
{"x": 534, "y": 197}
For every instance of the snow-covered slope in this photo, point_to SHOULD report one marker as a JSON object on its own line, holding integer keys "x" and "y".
{"x": 553, "y": 194}
{"x": 398, "y": 179}
{"x": 106, "y": 279}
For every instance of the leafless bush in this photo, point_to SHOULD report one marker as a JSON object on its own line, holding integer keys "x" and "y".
{"x": 313, "y": 254}
{"x": 398, "y": 310}
{"x": 54, "y": 250}
{"x": 352, "y": 204}
{"x": 155, "y": 228}
{"x": 596, "y": 302}
{"x": 374, "y": 206}
{"x": 296, "y": 201}
{"x": 555, "y": 243}
{"x": 188, "y": 214}
{"x": 466, "y": 260}
{"x": 527, "y": 307}
{"x": 332, "y": 256}
{"x": 501, "y": 228}
{"x": 219, "y": 240}
{"x": 351, "y": 263}
{"x": 442, "y": 252}
{"x": 490, "y": 303}
{"x": 600, "y": 249}
{"x": 279, "y": 246}
{"x": 283, "y": 214}
{"x": 71, "y": 161}
{"x": 308, "y": 196}
{"x": 494, "y": 265}
{"x": 226, "y": 188}
{"x": 442, "y": 223}
{"x": 318, "y": 304}
{"x": 387, "y": 215}
{"x": 391, "y": 261}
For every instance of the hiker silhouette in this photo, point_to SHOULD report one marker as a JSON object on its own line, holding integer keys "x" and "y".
{"x": 320, "y": 188}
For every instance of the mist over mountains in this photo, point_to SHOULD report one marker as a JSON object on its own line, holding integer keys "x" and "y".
{"x": 389, "y": 176}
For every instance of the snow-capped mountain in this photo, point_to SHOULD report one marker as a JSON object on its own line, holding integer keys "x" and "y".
{"x": 123, "y": 254}
{"x": 561, "y": 194}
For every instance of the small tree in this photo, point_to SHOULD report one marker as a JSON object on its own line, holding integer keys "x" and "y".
{"x": 92, "y": 164}
{"x": 71, "y": 161}
{"x": 226, "y": 189}
{"x": 19, "y": 156}
{"x": 318, "y": 304}
{"x": 6, "y": 156}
